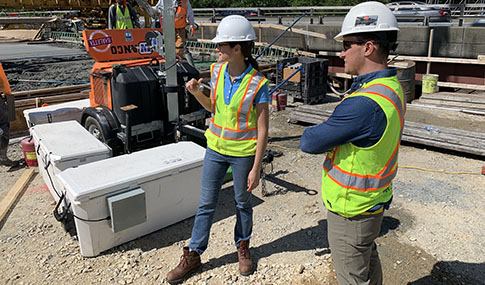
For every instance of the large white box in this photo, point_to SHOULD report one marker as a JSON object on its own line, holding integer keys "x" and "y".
{"x": 68, "y": 111}
{"x": 63, "y": 145}
{"x": 156, "y": 187}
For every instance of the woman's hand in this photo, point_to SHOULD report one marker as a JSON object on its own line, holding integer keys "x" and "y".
{"x": 253, "y": 179}
{"x": 193, "y": 85}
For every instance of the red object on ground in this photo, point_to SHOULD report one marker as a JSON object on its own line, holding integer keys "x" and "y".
{"x": 282, "y": 99}
{"x": 483, "y": 170}
{"x": 28, "y": 149}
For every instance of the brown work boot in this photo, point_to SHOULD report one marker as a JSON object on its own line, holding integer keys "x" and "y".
{"x": 189, "y": 262}
{"x": 245, "y": 261}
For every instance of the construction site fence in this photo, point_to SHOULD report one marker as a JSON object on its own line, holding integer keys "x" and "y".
{"x": 272, "y": 53}
{"x": 53, "y": 7}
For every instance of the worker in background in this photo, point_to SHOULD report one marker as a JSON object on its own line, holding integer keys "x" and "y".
{"x": 122, "y": 16}
{"x": 183, "y": 12}
{"x": 236, "y": 137}
{"x": 362, "y": 139}
{"x": 4, "y": 120}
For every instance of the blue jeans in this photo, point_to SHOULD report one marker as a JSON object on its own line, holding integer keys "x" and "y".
{"x": 213, "y": 172}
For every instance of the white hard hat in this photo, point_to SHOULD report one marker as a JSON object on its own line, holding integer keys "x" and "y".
{"x": 234, "y": 28}
{"x": 368, "y": 17}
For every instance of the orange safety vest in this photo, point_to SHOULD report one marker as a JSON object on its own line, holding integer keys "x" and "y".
{"x": 181, "y": 14}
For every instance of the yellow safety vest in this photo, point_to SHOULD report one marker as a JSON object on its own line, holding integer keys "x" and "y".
{"x": 181, "y": 14}
{"x": 123, "y": 21}
{"x": 233, "y": 128}
{"x": 355, "y": 179}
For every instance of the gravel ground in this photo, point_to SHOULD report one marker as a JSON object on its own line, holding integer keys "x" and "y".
{"x": 433, "y": 233}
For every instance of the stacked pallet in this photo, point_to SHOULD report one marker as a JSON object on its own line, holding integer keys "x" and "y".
{"x": 414, "y": 132}
{"x": 466, "y": 103}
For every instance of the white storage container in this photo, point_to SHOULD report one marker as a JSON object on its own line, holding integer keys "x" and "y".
{"x": 63, "y": 145}
{"x": 68, "y": 111}
{"x": 141, "y": 192}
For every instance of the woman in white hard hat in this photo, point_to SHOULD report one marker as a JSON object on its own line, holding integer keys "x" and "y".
{"x": 236, "y": 137}
{"x": 361, "y": 139}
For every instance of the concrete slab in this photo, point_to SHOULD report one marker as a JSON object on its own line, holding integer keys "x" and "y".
{"x": 25, "y": 51}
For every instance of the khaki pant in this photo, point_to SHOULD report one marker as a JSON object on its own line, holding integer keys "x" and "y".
{"x": 354, "y": 251}
{"x": 180, "y": 37}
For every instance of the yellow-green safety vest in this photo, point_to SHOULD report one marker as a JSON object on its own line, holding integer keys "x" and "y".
{"x": 233, "y": 128}
{"x": 355, "y": 179}
{"x": 123, "y": 21}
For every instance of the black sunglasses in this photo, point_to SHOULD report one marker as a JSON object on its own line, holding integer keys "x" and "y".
{"x": 220, "y": 45}
{"x": 348, "y": 44}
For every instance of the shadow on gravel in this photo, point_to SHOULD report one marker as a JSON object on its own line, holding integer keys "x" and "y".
{"x": 443, "y": 273}
{"x": 302, "y": 240}
{"x": 286, "y": 186}
{"x": 182, "y": 230}
{"x": 388, "y": 224}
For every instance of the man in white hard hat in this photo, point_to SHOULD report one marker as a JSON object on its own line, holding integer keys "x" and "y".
{"x": 362, "y": 139}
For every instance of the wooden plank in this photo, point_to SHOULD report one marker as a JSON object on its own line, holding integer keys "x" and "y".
{"x": 15, "y": 191}
{"x": 455, "y": 97}
{"x": 415, "y": 132}
{"x": 441, "y": 136}
{"x": 420, "y": 58}
{"x": 477, "y": 105}
{"x": 454, "y": 131}
{"x": 294, "y": 30}
{"x": 443, "y": 145}
{"x": 53, "y": 90}
{"x": 467, "y": 110}
{"x": 32, "y": 102}
{"x": 438, "y": 59}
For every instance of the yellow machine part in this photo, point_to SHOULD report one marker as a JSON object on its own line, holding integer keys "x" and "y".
{"x": 59, "y": 4}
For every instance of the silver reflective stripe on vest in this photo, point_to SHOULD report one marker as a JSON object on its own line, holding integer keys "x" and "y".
{"x": 378, "y": 181}
{"x": 365, "y": 183}
{"x": 214, "y": 76}
{"x": 388, "y": 93}
{"x": 248, "y": 100}
{"x": 233, "y": 135}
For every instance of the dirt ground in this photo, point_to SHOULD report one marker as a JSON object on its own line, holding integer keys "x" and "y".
{"x": 433, "y": 233}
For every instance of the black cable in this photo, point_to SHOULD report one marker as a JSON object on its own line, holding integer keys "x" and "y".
{"x": 63, "y": 195}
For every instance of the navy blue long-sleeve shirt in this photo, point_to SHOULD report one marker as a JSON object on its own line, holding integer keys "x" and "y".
{"x": 359, "y": 120}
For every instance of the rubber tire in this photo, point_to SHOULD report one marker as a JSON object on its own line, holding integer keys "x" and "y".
{"x": 94, "y": 128}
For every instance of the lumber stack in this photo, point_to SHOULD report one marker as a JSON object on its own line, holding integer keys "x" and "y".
{"x": 466, "y": 103}
{"x": 35, "y": 98}
{"x": 414, "y": 132}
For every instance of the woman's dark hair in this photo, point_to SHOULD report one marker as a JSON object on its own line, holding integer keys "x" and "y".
{"x": 246, "y": 49}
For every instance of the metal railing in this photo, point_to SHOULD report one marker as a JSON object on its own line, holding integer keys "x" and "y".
{"x": 459, "y": 11}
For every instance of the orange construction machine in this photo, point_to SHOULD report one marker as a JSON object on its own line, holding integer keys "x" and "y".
{"x": 138, "y": 97}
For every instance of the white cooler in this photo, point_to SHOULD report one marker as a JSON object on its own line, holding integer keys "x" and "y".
{"x": 140, "y": 192}
{"x": 63, "y": 145}
{"x": 68, "y": 111}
